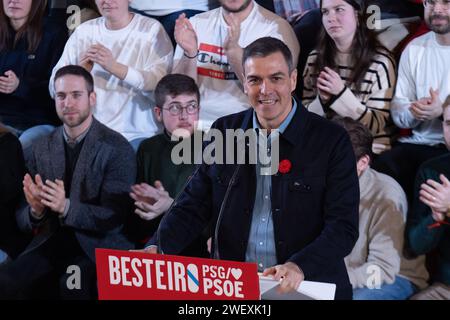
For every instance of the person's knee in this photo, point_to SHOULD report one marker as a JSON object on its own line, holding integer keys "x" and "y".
{"x": 366, "y": 294}
{"x": 32, "y": 134}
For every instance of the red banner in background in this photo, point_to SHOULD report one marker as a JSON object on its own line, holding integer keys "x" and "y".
{"x": 126, "y": 275}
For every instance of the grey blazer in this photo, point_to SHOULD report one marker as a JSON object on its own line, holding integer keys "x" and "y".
{"x": 99, "y": 200}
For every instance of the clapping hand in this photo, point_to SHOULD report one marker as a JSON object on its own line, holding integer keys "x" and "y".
{"x": 9, "y": 82}
{"x": 150, "y": 202}
{"x": 185, "y": 35}
{"x": 428, "y": 108}
{"x": 329, "y": 83}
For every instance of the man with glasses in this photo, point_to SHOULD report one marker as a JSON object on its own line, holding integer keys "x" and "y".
{"x": 160, "y": 176}
{"x": 423, "y": 83}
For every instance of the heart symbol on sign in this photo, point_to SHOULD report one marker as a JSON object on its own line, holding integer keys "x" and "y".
{"x": 237, "y": 273}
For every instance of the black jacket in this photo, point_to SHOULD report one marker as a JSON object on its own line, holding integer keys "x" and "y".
{"x": 314, "y": 206}
{"x": 31, "y": 104}
{"x": 12, "y": 171}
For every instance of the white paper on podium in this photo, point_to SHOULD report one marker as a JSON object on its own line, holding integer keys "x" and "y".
{"x": 308, "y": 290}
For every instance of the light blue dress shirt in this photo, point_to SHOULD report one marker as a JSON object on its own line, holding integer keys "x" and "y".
{"x": 261, "y": 241}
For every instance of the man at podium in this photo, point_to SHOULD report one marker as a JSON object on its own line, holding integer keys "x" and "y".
{"x": 296, "y": 215}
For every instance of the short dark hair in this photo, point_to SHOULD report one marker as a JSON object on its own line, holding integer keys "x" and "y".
{"x": 76, "y": 71}
{"x": 360, "y": 136}
{"x": 265, "y": 46}
{"x": 173, "y": 85}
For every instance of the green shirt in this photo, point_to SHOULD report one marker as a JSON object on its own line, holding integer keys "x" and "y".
{"x": 422, "y": 239}
{"x": 154, "y": 162}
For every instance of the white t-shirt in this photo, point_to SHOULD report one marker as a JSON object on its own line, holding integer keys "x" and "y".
{"x": 423, "y": 64}
{"x": 220, "y": 90}
{"x": 124, "y": 105}
{"x": 162, "y": 8}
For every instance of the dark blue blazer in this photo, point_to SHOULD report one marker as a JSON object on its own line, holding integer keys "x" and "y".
{"x": 314, "y": 206}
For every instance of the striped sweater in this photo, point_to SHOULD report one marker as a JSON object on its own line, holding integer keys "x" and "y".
{"x": 370, "y": 104}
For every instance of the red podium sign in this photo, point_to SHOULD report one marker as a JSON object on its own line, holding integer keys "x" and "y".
{"x": 125, "y": 275}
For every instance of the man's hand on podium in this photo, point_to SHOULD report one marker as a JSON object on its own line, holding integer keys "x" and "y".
{"x": 289, "y": 274}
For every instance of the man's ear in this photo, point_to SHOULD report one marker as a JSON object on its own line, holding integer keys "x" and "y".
{"x": 92, "y": 99}
{"x": 293, "y": 79}
{"x": 362, "y": 164}
{"x": 244, "y": 84}
{"x": 158, "y": 113}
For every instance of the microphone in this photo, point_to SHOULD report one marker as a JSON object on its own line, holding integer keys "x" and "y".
{"x": 216, "y": 254}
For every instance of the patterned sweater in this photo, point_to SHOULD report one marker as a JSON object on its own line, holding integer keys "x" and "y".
{"x": 370, "y": 104}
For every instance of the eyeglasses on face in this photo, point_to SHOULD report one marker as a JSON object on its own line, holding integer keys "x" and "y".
{"x": 176, "y": 109}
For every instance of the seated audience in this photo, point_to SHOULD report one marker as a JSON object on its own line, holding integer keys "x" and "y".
{"x": 376, "y": 266}
{"x": 127, "y": 55}
{"x": 160, "y": 176}
{"x": 351, "y": 74}
{"x": 30, "y": 46}
{"x": 76, "y": 194}
{"x": 210, "y": 47}
{"x": 423, "y": 83}
{"x": 429, "y": 218}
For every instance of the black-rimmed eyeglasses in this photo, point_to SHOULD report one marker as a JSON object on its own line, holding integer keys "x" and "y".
{"x": 176, "y": 109}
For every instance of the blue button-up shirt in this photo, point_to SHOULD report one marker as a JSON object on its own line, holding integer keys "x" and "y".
{"x": 261, "y": 241}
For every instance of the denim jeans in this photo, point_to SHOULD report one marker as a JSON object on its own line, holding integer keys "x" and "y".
{"x": 29, "y": 136}
{"x": 401, "y": 289}
{"x": 3, "y": 256}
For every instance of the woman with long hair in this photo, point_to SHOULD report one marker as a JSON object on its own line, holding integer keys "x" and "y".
{"x": 29, "y": 48}
{"x": 350, "y": 73}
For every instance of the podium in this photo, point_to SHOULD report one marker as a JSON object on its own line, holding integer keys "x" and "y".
{"x": 125, "y": 275}
{"x": 308, "y": 290}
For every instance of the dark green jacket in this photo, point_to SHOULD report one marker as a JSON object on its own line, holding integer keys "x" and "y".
{"x": 423, "y": 239}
